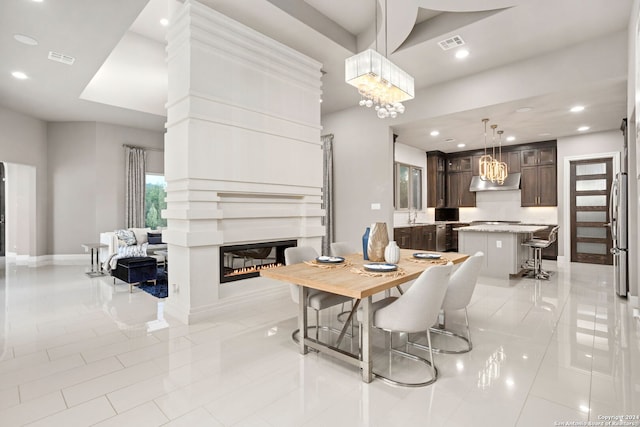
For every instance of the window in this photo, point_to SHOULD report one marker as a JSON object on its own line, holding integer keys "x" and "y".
{"x": 154, "y": 201}
{"x": 408, "y": 192}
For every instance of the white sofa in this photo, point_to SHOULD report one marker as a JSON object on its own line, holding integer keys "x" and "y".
{"x": 110, "y": 239}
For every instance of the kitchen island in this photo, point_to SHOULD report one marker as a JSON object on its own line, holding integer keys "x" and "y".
{"x": 501, "y": 244}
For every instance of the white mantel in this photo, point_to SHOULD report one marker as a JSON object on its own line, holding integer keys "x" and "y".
{"x": 243, "y": 158}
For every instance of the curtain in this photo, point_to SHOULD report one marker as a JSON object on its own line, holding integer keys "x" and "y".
{"x": 135, "y": 168}
{"x": 327, "y": 193}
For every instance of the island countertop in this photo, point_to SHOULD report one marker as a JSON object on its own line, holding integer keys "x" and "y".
{"x": 503, "y": 228}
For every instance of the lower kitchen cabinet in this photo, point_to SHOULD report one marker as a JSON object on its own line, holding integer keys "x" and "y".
{"x": 402, "y": 236}
{"x": 420, "y": 237}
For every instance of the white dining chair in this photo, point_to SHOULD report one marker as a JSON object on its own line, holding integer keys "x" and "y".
{"x": 413, "y": 312}
{"x": 459, "y": 292}
{"x": 317, "y": 300}
{"x": 341, "y": 249}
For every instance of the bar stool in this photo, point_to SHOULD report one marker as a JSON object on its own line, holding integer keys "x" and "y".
{"x": 538, "y": 245}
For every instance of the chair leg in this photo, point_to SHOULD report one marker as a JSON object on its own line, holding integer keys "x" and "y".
{"x": 433, "y": 365}
{"x": 466, "y": 321}
{"x": 429, "y": 363}
{"x": 448, "y": 333}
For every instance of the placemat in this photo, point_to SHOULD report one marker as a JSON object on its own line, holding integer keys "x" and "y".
{"x": 397, "y": 273}
{"x": 315, "y": 263}
{"x": 441, "y": 261}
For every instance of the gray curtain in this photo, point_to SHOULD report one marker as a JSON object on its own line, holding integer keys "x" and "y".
{"x": 135, "y": 167}
{"x": 327, "y": 193}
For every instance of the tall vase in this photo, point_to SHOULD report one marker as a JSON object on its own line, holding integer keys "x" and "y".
{"x": 392, "y": 253}
{"x": 365, "y": 243}
{"x": 378, "y": 241}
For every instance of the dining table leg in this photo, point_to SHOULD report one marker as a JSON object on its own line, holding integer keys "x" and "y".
{"x": 302, "y": 318}
{"x": 366, "y": 362}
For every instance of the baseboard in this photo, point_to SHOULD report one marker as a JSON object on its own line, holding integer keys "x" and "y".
{"x": 42, "y": 260}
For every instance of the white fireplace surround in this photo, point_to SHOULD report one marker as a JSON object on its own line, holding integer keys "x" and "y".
{"x": 243, "y": 157}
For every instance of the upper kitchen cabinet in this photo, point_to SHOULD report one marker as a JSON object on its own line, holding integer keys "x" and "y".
{"x": 436, "y": 179}
{"x": 539, "y": 177}
{"x": 459, "y": 177}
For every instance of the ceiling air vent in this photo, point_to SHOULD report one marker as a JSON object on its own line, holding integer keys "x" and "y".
{"x": 59, "y": 57}
{"x": 451, "y": 42}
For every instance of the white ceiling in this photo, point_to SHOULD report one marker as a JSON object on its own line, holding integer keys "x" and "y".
{"x": 120, "y": 75}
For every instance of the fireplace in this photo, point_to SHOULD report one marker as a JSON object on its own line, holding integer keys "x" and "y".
{"x": 239, "y": 262}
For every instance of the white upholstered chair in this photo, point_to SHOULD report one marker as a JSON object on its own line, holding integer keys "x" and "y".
{"x": 341, "y": 249}
{"x": 317, "y": 300}
{"x": 413, "y": 312}
{"x": 459, "y": 292}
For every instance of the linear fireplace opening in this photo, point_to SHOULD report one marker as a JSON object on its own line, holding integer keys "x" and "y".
{"x": 239, "y": 262}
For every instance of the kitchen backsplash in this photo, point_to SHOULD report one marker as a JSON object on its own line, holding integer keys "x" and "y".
{"x": 492, "y": 206}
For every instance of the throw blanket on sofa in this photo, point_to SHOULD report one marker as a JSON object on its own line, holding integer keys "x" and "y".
{"x": 124, "y": 252}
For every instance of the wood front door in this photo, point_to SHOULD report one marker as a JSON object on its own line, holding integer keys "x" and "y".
{"x": 590, "y": 197}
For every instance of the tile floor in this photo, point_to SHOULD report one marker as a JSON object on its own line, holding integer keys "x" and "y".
{"x": 74, "y": 351}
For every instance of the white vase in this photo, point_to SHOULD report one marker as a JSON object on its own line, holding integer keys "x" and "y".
{"x": 392, "y": 253}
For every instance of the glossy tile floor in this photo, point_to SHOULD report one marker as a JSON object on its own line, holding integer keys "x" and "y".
{"x": 76, "y": 351}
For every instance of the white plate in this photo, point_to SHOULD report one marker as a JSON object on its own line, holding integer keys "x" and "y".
{"x": 426, "y": 255}
{"x": 380, "y": 267}
{"x": 330, "y": 259}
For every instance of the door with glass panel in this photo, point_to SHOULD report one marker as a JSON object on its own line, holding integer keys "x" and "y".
{"x": 590, "y": 188}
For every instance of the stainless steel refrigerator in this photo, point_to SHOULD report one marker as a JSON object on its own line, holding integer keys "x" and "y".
{"x": 618, "y": 215}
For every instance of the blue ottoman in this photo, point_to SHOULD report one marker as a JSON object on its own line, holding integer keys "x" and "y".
{"x": 135, "y": 270}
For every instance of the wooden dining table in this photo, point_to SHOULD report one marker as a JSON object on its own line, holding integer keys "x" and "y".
{"x": 350, "y": 279}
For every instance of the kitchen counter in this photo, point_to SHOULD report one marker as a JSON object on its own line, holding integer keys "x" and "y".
{"x": 503, "y": 228}
{"x": 501, "y": 244}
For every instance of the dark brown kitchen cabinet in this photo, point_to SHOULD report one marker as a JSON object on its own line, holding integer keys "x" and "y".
{"x": 538, "y": 156}
{"x": 420, "y": 237}
{"x": 460, "y": 164}
{"x": 452, "y": 235}
{"x": 458, "y": 194}
{"x": 431, "y": 237}
{"x": 513, "y": 161}
{"x": 538, "y": 179}
{"x": 436, "y": 179}
{"x": 402, "y": 236}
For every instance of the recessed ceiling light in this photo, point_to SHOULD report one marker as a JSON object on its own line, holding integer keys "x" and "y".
{"x": 164, "y": 22}
{"x": 583, "y": 128}
{"x": 434, "y": 133}
{"x": 462, "y": 53}
{"x": 449, "y": 140}
{"x": 30, "y": 41}
{"x": 511, "y": 138}
{"x": 19, "y": 75}
{"x": 462, "y": 145}
{"x": 37, "y": 1}
{"x": 544, "y": 134}
{"x": 577, "y": 109}
{"x": 524, "y": 109}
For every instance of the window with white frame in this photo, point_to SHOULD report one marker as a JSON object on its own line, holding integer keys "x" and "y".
{"x": 408, "y": 183}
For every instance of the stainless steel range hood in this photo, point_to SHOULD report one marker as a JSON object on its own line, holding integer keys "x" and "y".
{"x": 511, "y": 183}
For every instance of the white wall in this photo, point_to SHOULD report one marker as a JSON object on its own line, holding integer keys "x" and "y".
{"x": 363, "y": 171}
{"x": 23, "y": 141}
{"x": 593, "y": 145}
{"x": 86, "y": 180}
